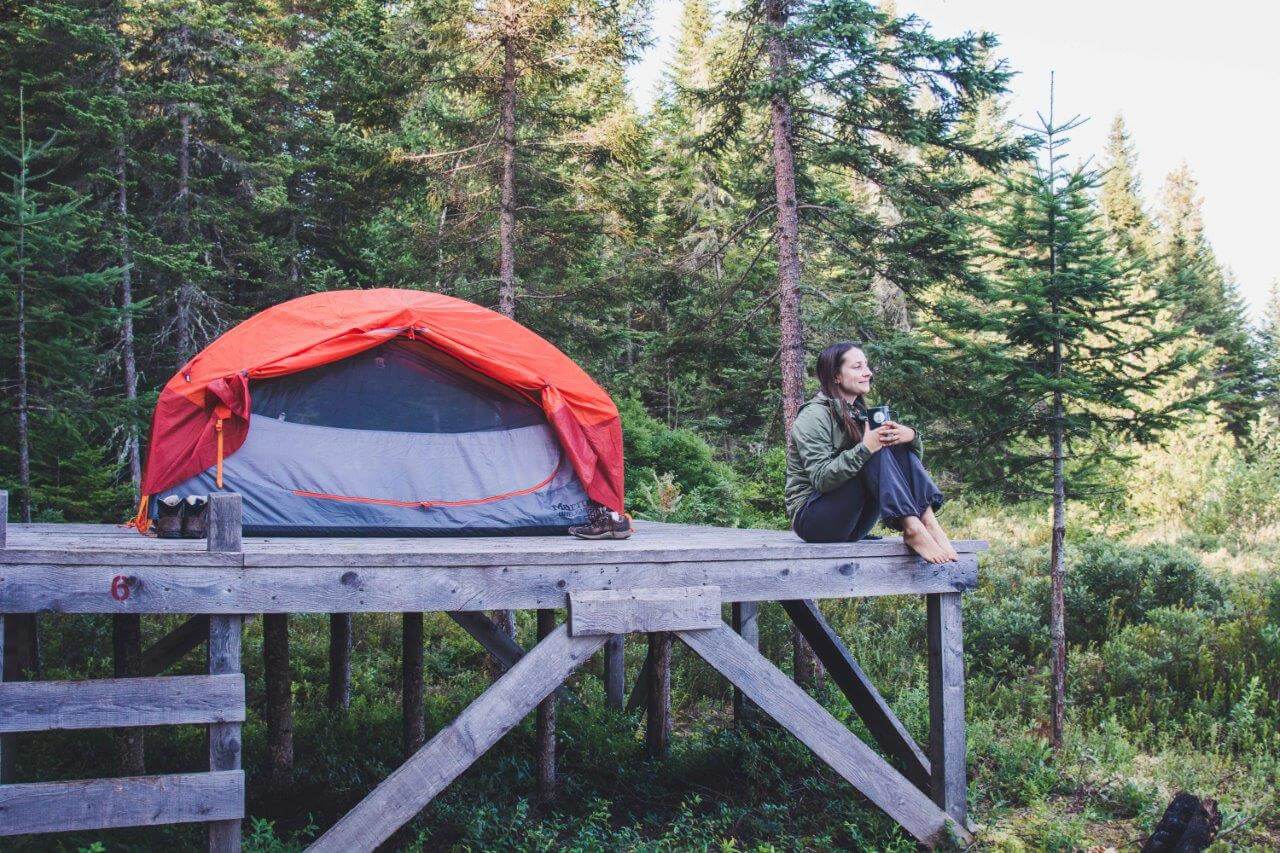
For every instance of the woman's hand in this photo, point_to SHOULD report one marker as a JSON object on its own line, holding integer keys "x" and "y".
{"x": 894, "y": 433}
{"x": 873, "y": 439}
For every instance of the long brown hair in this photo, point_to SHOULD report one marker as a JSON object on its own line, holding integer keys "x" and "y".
{"x": 829, "y": 361}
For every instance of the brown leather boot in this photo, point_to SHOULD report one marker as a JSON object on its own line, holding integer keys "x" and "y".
{"x": 169, "y": 517}
{"x": 195, "y": 517}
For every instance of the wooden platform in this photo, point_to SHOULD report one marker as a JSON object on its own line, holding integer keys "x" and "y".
{"x": 667, "y": 581}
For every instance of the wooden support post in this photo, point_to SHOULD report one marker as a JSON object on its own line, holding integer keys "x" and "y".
{"x": 457, "y": 746}
{"x": 415, "y": 731}
{"x": 746, "y": 621}
{"x": 278, "y": 679}
{"x": 225, "y": 513}
{"x": 866, "y": 700}
{"x": 946, "y": 704}
{"x": 658, "y": 731}
{"x": 798, "y": 712}
{"x": 615, "y": 672}
{"x": 545, "y": 724}
{"x": 175, "y": 645}
{"x": 126, "y": 647}
{"x": 339, "y": 698}
{"x": 639, "y": 697}
{"x": 6, "y": 741}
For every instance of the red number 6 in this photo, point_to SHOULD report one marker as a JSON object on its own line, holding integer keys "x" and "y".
{"x": 120, "y": 589}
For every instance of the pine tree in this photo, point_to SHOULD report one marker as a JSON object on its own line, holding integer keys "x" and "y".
{"x": 1269, "y": 345}
{"x": 1208, "y": 301}
{"x": 1052, "y": 329}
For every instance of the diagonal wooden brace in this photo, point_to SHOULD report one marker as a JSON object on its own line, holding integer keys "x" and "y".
{"x": 456, "y": 747}
{"x": 866, "y": 700}
{"x": 797, "y": 711}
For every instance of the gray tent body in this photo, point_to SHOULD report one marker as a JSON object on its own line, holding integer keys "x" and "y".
{"x": 393, "y": 442}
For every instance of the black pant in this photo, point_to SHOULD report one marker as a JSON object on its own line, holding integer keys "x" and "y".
{"x": 891, "y": 485}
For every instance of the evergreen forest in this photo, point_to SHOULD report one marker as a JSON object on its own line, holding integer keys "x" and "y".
{"x": 1093, "y": 395}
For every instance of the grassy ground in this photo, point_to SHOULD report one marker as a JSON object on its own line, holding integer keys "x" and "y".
{"x": 1175, "y": 685}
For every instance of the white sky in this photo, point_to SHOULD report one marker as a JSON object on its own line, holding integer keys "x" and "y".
{"x": 1196, "y": 82}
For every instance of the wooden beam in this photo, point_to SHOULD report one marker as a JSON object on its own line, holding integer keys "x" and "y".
{"x": 495, "y": 641}
{"x": 403, "y": 794}
{"x": 545, "y": 724}
{"x": 65, "y": 588}
{"x": 175, "y": 645}
{"x": 33, "y": 706}
{"x": 639, "y": 697}
{"x": 277, "y": 678}
{"x": 225, "y": 634}
{"x": 126, "y": 801}
{"x": 746, "y": 621}
{"x": 781, "y": 698}
{"x": 4, "y": 518}
{"x": 946, "y": 705}
{"x": 866, "y": 700}
{"x": 658, "y": 721}
{"x": 411, "y": 690}
{"x": 615, "y": 672}
{"x": 339, "y": 696}
{"x": 6, "y": 741}
{"x": 611, "y": 611}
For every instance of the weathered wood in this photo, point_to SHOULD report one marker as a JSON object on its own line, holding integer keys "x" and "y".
{"x": 175, "y": 645}
{"x": 493, "y": 639}
{"x": 225, "y": 634}
{"x": 545, "y": 724}
{"x": 781, "y": 698}
{"x": 412, "y": 662}
{"x": 746, "y": 622}
{"x": 278, "y": 681}
{"x": 403, "y": 794}
{"x": 225, "y": 511}
{"x": 4, "y": 518}
{"x": 6, "y": 741}
{"x": 658, "y": 722}
{"x": 339, "y": 697}
{"x": 126, "y": 653}
{"x": 615, "y": 672}
{"x": 624, "y": 611}
{"x": 866, "y": 700}
{"x": 639, "y": 697}
{"x": 33, "y": 706}
{"x": 946, "y": 705}
{"x": 126, "y": 801}
{"x": 160, "y": 589}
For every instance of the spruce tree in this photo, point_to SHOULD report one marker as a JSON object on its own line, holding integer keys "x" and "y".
{"x": 1269, "y": 345}
{"x": 1060, "y": 343}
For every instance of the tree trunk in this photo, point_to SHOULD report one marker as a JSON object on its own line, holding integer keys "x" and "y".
{"x": 24, "y": 401}
{"x": 1057, "y": 607}
{"x": 791, "y": 331}
{"x": 278, "y": 679}
{"x": 545, "y": 724}
{"x": 415, "y": 726}
{"x": 339, "y": 698}
{"x": 507, "y": 220}
{"x": 186, "y": 289}
{"x": 127, "y": 354}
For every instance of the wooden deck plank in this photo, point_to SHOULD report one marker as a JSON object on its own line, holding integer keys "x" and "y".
{"x": 127, "y": 801}
{"x": 33, "y": 706}
{"x": 780, "y": 697}
{"x": 403, "y": 794}
{"x": 49, "y": 587}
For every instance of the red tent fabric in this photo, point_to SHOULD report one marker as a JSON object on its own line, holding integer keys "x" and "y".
{"x": 208, "y": 399}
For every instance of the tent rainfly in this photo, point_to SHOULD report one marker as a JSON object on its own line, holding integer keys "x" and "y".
{"x": 386, "y": 412}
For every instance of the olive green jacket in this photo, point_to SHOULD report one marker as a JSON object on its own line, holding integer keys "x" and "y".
{"x": 821, "y": 456}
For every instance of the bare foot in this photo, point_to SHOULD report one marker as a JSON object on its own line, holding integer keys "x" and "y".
{"x": 939, "y": 535}
{"x": 918, "y": 539}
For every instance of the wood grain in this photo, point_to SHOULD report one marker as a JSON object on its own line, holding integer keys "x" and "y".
{"x": 946, "y": 704}
{"x": 625, "y": 611}
{"x": 780, "y": 697}
{"x": 403, "y": 794}
{"x": 126, "y": 801}
{"x": 32, "y": 706}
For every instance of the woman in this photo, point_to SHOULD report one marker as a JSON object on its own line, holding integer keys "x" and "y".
{"x": 842, "y": 477}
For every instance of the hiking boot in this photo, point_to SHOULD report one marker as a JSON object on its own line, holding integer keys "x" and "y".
{"x": 195, "y": 517}
{"x": 603, "y": 523}
{"x": 169, "y": 517}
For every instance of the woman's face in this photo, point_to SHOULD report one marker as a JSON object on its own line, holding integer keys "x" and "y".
{"x": 854, "y": 377}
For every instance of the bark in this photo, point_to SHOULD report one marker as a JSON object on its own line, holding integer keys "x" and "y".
{"x": 24, "y": 400}
{"x": 805, "y": 665}
{"x": 126, "y": 644}
{"x": 127, "y": 355}
{"x": 507, "y": 220}
{"x": 339, "y": 698}
{"x": 415, "y": 734}
{"x": 186, "y": 289}
{"x": 278, "y": 678}
{"x": 545, "y": 724}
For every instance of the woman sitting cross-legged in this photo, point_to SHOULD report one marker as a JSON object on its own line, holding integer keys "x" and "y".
{"x": 843, "y": 477}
